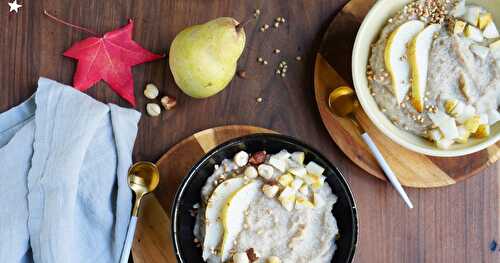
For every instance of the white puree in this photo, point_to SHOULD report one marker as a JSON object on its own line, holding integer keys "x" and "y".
{"x": 300, "y": 235}
{"x": 450, "y": 57}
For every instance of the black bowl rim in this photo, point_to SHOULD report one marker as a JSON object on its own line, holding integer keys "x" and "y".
{"x": 196, "y": 167}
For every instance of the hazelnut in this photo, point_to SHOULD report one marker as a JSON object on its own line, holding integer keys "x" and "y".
{"x": 250, "y": 172}
{"x": 273, "y": 259}
{"x": 241, "y": 258}
{"x": 266, "y": 171}
{"x": 151, "y": 91}
{"x": 241, "y": 158}
{"x": 153, "y": 109}
{"x": 168, "y": 102}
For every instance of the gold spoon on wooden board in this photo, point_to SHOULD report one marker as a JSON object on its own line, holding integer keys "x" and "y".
{"x": 143, "y": 178}
{"x": 342, "y": 101}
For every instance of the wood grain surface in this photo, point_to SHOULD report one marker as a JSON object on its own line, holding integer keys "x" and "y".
{"x": 451, "y": 224}
{"x": 411, "y": 168}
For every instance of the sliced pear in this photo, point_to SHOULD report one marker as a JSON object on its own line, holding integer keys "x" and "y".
{"x": 233, "y": 215}
{"x": 444, "y": 143}
{"x": 302, "y": 203}
{"x": 418, "y": 53}
{"x": 314, "y": 168}
{"x": 434, "y": 135}
{"x": 214, "y": 229}
{"x": 278, "y": 163}
{"x": 459, "y": 27}
{"x": 285, "y": 179}
{"x": 468, "y": 112}
{"x": 287, "y": 198}
{"x": 298, "y": 171}
{"x": 473, "y": 33}
{"x": 395, "y": 58}
{"x": 472, "y": 15}
{"x": 491, "y": 31}
{"x": 480, "y": 51}
{"x": 484, "y": 20}
{"x": 446, "y": 125}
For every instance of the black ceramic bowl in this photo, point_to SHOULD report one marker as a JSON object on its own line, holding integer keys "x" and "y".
{"x": 189, "y": 191}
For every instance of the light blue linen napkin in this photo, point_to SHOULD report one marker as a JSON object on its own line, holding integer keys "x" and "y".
{"x": 63, "y": 165}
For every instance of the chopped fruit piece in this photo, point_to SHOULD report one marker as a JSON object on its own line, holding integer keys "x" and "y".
{"x": 491, "y": 31}
{"x": 287, "y": 198}
{"x": 459, "y": 9}
{"x": 444, "y": 144}
{"x": 482, "y": 131}
{"x": 458, "y": 27}
{"x": 250, "y": 172}
{"x": 472, "y": 123}
{"x": 302, "y": 203}
{"x": 278, "y": 163}
{"x": 493, "y": 117}
{"x": 473, "y": 33}
{"x": 438, "y": 117}
{"x": 241, "y": 258}
{"x": 483, "y": 118}
{"x": 266, "y": 171}
{"x": 282, "y": 155}
{"x": 395, "y": 57}
{"x": 298, "y": 171}
{"x": 472, "y": 15}
{"x": 418, "y": 52}
{"x": 467, "y": 113}
{"x": 459, "y": 109}
{"x": 298, "y": 157}
{"x": 241, "y": 158}
{"x": 463, "y": 135}
{"x": 484, "y": 20}
{"x": 270, "y": 190}
{"x": 285, "y": 179}
{"x": 314, "y": 168}
{"x": 480, "y": 51}
{"x": 318, "y": 200}
{"x": 296, "y": 184}
{"x": 445, "y": 123}
{"x": 449, "y": 105}
{"x": 434, "y": 134}
{"x": 304, "y": 190}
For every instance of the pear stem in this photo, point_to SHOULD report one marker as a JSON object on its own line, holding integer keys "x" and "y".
{"x": 53, "y": 17}
{"x": 242, "y": 25}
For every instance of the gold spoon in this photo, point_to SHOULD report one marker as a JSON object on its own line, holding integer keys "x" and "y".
{"x": 143, "y": 178}
{"x": 343, "y": 102}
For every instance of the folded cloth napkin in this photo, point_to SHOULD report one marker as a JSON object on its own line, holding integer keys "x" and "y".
{"x": 63, "y": 189}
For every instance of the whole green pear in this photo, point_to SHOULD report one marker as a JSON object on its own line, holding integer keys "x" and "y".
{"x": 203, "y": 57}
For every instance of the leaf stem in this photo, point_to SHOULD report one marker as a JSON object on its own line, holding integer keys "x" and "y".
{"x": 244, "y": 23}
{"x": 53, "y": 17}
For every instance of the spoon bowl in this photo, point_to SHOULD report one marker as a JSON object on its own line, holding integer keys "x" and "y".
{"x": 143, "y": 178}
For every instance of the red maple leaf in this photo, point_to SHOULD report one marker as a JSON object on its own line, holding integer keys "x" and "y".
{"x": 109, "y": 58}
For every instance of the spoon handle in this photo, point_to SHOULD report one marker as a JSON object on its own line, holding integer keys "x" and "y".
{"x": 387, "y": 169}
{"x": 128, "y": 240}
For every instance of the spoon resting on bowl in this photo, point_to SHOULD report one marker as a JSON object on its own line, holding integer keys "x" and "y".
{"x": 143, "y": 178}
{"x": 343, "y": 103}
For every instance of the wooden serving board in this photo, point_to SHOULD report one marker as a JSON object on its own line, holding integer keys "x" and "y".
{"x": 332, "y": 69}
{"x": 152, "y": 242}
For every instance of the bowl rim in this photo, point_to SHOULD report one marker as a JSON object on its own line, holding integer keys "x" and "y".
{"x": 360, "y": 87}
{"x": 193, "y": 171}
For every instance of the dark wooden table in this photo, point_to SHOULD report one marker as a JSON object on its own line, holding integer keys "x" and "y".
{"x": 453, "y": 224}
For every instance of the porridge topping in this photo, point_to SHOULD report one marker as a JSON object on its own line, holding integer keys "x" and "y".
{"x": 435, "y": 71}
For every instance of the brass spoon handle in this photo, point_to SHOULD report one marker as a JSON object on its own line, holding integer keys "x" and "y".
{"x": 137, "y": 204}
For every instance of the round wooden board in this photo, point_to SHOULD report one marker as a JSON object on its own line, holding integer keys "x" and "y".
{"x": 152, "y": 243}
{"x": 332, "y": 69}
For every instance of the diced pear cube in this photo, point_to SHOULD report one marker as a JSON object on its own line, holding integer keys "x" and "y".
{"x": 463, "y": 135}
{"x": 282, "y": 155}
{"x": 314, "y": 168}
{"x": 459, "y": 9}
{"x": 298, "y": 171}
{"x": 304, "y": 189}
{"x": 285, "y": 179}
{"x": 472, "y": 15}
{"x": 472, "y": 123}
{"x": 449, "y": 129}
{"x": 458, "y": 27}
{"x": 483, "y": 118}
{"x": 278, "y": 163}
{"x": 484, "y": 20}
{"x": 266, "y": 171}
{"x": 493, "y": 117}
{"x": 480, "y": 51}
{"x": 449, "y": 105}
{"x": 298, "y": 157}
{"x": 296, "y": 184}
{"x": 318, "y": 200}
{"x": 434, "y": 134}
{"x": 287, "y": 198}
{"x": 473, "y": 33}
{"x": 468, "y": 112}
{"x": 491, "y": 31}
{"x": 301, "y": 203}
{"x": 482, "y": 131}
{"x": 270, "y": 190}
{"x": 459, "y": 109}
{"x": 438, "y": 117}
{"x": 444, "y": 144}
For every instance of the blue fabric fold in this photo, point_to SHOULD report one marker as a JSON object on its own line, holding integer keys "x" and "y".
{"x": 64, "y": 195}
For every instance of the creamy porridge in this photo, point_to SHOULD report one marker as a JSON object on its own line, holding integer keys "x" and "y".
{"x": 267, "y": 208}
{"x": 435, "y": 71}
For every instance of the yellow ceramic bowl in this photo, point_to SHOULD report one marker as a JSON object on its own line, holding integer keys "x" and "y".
{"x": 367, "y": 34}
